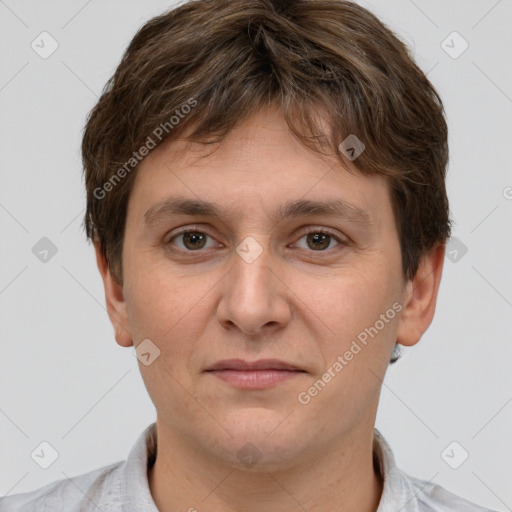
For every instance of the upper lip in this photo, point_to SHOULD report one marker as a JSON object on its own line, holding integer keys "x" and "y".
{"x": 261, "y": 364}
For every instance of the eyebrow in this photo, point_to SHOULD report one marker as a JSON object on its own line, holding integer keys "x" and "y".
{"x": 174, "y": 206}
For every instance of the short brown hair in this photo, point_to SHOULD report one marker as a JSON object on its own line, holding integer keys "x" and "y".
{"x": 227, "y": 59}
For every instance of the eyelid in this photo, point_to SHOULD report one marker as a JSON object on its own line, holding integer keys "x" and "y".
{"x": 328, "y": 231}
{"x": 187, "y": 229}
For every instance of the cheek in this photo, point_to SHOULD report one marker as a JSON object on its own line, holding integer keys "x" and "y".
{"x": 349, "y": 301}
{"x": 172, "y": 313}
{"x": 170, "y": 310}
{"x": 355, "y": 354}
{"x": 155, "y": 298}
{"x": 351, "y": 305}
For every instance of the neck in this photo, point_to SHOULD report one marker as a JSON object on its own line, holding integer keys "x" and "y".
{"x": 343, "y": 478}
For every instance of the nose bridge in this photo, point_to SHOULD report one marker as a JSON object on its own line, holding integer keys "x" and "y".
{"x": 252, "y": 270}
{"x": 250, "y": 297}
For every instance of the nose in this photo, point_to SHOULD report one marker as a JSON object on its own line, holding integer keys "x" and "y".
{"x": 255, "y": 298}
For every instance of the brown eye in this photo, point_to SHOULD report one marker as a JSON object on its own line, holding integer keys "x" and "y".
{"x": 319, "y": 240}
{"x": 190, "y": 240}
{"x": 194, "y": 240}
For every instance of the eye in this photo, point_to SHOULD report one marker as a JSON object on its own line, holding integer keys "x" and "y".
{"x": 192, "y": 240}
{"x": 319, "y": 239}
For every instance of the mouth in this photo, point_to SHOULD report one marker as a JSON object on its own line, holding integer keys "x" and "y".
{"x": 260, "y": 374}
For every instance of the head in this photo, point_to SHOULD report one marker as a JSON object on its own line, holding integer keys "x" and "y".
{"x": 251, "y": 106}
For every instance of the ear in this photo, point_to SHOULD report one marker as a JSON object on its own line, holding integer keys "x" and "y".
{"x": 114, "y": 299}
{"x": 421, "y": 297}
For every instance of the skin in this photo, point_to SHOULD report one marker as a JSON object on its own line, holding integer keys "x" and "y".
{"x": 295, "y": 302}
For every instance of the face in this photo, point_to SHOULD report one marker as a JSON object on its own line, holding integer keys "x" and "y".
{"x": 259, "y": 280}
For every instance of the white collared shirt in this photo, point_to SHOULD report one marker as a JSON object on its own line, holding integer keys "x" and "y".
{"x": 123, "y": 487}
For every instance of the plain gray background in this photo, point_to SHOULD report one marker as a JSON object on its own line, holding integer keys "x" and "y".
{"x": 64, "y": 380}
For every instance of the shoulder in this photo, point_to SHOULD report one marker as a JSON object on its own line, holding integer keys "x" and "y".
{"x": 409, "y": 494}
{"x": 434, "y": 498}
{"x": 86, "y": 492}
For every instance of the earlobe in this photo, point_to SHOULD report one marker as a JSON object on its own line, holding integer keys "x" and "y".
{"x": 421, "y": 297}
{"x": 114, "y": 299}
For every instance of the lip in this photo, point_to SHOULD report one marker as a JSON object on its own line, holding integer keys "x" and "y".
{"x": 260, "y": 374}
{"x": 261, "y": 364}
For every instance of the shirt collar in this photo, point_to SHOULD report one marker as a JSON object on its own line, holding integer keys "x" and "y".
{"x": 136, "y": 494}
{"x": 398, "y": 494}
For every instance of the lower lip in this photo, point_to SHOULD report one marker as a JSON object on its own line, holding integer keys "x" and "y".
{"x": 254, "y": 379}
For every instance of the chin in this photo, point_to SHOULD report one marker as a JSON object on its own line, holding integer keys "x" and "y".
{"x": 260, "y": 456}
{"x": 262, "y": 442}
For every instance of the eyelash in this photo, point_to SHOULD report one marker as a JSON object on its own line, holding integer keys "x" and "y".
{"x": 308, "y": 230}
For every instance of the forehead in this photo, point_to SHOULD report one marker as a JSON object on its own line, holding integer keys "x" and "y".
{"x": 259, "y": 161}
